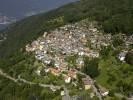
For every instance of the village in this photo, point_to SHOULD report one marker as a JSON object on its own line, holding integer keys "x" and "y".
{"x": 73, "y": 40}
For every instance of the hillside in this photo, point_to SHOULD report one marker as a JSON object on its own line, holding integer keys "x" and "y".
{"x": 109, "y": 14}
{"x": 77, "y": 46}
{"x": 76, "y": 33}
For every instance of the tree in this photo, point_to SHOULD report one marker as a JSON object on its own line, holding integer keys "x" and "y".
{"x": 124, "y": 87}
{"x": 91, "y": 67}
{"x": 111, "y": 93}
{"x": 105, "y": 51}
{"x": 95, "y": 98}
{"x": 129, "y": 58}
{"x": 117, "y": 41}
{"x": 71, "y": 60}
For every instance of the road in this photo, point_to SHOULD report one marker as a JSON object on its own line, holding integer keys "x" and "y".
{"x": 19, "y": 79}
{"x": 93, "y": 85}
{"x": 66, "y": 96}
{"x": 122, "y": 96}
{"x": 7, "y": 76}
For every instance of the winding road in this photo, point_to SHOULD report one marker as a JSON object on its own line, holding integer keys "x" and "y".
{"x": 19, "y": 79}
{"x": 66, "y": 97}
{"x": 93, "y": 85}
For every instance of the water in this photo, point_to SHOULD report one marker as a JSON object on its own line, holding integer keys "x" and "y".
{"x": 18, "y": 9}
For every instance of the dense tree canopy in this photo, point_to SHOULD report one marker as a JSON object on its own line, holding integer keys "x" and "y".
{"x": 91, "y": 67}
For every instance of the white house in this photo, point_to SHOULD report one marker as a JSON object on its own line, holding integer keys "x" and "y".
{"x": 103, "y": 91}
{"x": 67, "y": 79}
{"x": 62, "y": 93}
{"x": 81, "y": 53}
{"x": 122, "y": 56}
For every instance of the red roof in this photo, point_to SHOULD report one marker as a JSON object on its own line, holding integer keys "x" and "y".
{"x": 71, "y": 73}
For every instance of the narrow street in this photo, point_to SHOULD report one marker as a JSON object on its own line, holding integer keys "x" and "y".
{"x": 66, "y": 96}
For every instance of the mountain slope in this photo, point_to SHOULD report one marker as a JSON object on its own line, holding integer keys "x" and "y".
{"x": 109, "y": 14}
{"x": 115, "y": 75}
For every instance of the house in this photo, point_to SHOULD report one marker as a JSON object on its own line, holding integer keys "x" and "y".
{"x": 95, "y": 54}
{"x": 44, "y": 51}
{"x": 64, "y": 67}
{"x": 56, "y": 65}
{"x": 62, "y": 93}
{"x": 122, "y": 56}
{"x": 83, "y": 40}
{"x": 47, "y": 62}
{"x": 38, "y": 72}
{"x": 81, "y": 53}
{"x": 130, "y": 95}
{"x": 53, "y": 89}
{"x": 45, "y": 34}
{"x": 29, "y": 48}
{"x": 92, "y": 95}
{"x": 35, "y": 44}
{"x": 93, "y": 29}
{"x": 39, "y": 57}
{"x": 72, "y": 74}
{"x": 67, "y": 79}
{"x": 103, "y": 91}
{"x": 55, "y": 71}
{"x": 41, "y": 47}
{"x": 79, "y": 63}
{"x": 87, "y": 83}
{"x": 47, "y": 70}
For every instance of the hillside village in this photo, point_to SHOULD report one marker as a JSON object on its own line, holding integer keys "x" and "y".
{"x": 79, "y": 51}
{"x": 74, "y": 40}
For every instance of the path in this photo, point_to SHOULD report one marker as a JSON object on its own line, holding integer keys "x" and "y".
{"x": 93, "y": 85}
{"x": 27, "y": 82}
{"x": 66, "y": 96}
